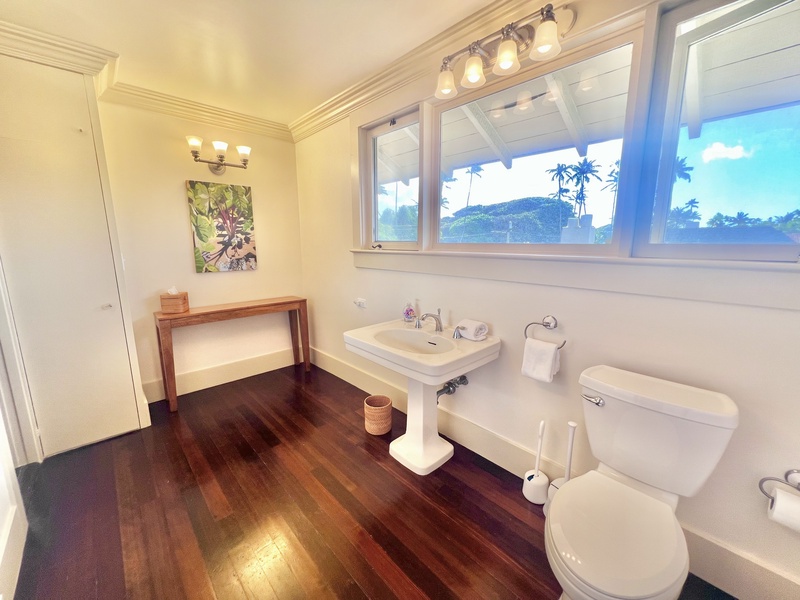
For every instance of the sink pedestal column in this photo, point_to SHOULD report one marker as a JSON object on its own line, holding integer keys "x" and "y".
{"x": 421, "y": 449}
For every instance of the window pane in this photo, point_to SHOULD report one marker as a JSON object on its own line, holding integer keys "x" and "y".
{"x": 733, "y": 178}
{"x": 537, "y": 163}
{"x": 396, "y": 189}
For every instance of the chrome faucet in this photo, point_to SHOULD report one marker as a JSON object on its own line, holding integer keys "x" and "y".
{"x": 436, "y": 317}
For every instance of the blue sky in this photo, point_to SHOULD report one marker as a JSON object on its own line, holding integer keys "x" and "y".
{"x": 749, "y": 163}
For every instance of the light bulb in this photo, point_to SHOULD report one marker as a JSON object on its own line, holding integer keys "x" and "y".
{"x": 220, "y": 148}
{"x": 473, "y": 72}
{"x": 545, "y": 42}
{"x": 498, "y": 110}
{"x": 446, "y": 86}
{"x": 507, "y": 59}
{"x": 524, "y": 103}
{"x": 588, "y": 80}
{"x": 195, "y": 143}
{"x": 244, "y": 152}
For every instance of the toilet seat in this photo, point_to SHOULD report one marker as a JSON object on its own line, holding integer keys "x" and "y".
{"x": 612, "y": 541}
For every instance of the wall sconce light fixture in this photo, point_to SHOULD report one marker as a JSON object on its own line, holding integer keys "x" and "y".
{"x": 505, "y": 45}
{"x": 217, "y": 167}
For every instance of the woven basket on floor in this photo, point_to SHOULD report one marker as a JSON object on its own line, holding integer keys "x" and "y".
{"x": 378, "y": 414}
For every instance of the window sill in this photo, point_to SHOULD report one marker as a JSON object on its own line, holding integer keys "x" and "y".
{"x": 740, "y": 283}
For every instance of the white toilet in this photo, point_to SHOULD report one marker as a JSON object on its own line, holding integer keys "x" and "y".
{"x": 612, "y": 533}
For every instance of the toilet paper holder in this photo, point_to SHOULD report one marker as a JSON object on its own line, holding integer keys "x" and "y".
{"x": 790, "y": 478}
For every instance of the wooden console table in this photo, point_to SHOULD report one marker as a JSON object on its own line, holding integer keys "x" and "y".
{"x": 166, "y": 322}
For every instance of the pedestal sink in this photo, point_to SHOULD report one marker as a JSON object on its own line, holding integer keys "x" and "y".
{"x": 428, "y": 359}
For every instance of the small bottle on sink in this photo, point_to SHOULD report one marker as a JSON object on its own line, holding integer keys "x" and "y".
{"x": 409, "y": 314}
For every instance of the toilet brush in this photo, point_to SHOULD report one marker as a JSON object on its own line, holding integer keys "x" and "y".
{"x": 557, "y": 483}
{"x": 534, "y": 484}
{"x": 570, "y": 442}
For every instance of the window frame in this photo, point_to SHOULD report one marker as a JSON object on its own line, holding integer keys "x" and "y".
{"x": 619, "y": 242}
{"x": 653, "y": 45}
{"x": 663, "y": 130}
{"x": 367, "y": 136}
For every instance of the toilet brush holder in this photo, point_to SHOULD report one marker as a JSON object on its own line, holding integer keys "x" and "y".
{"x": 534, "y": 487}
{"x": 551, "y": 491}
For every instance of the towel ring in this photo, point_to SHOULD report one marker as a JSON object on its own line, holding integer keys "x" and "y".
{"x": 549, "y": 322}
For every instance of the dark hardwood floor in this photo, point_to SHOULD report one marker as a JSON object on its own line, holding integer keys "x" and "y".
{"x": 269, "y": 487}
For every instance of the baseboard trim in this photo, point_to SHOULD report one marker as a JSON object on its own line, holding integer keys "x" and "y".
{"x": 500, "y": 450}
{"x": 740, "y": 575}
{"x": 727, "y": 568}
{"x": 219, "y": 374}
{"x": 361, "y": 379}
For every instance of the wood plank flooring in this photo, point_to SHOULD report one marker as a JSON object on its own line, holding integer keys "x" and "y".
{"x": 269, "y": 487}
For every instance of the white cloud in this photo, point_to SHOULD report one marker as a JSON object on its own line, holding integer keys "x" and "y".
{"x": 719, "y": 150}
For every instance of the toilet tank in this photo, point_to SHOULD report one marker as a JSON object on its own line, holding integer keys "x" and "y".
{"x": 665, "y": 434}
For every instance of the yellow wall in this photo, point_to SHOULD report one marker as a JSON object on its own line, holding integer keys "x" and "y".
{"x": 149, "y": 163}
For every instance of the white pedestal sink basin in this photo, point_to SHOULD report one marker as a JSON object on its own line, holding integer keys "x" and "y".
{"x": 420, "y": 354}
{"x": 428, "y": 359}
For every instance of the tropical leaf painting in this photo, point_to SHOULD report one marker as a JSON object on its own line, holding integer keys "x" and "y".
{"x": 222, "y": 226}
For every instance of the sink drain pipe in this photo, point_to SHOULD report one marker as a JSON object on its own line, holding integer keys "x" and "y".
{"x": 451, "y": 386}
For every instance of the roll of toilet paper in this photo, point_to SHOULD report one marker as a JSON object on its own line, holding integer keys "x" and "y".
{"x": 785, "y": 509}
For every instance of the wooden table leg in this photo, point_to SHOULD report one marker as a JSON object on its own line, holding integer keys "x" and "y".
{"x": 167, "y": 363}
{"x": 303, "y": 310}
{"x": 295, "y": 341}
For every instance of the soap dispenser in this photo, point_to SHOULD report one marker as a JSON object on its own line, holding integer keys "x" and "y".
{"x": 409, "y": 314}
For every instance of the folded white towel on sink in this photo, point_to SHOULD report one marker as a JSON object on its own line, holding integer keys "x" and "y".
{"x": 540, "y": 360}
{"x": 473, "y": 330}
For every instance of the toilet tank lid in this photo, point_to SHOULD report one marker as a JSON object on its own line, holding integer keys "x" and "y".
{"x": 668, "y": 397}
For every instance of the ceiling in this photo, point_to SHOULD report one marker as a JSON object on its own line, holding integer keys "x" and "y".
{"x": 753, "y": 66}
{"x": 275, "y": 60}
{"x": 581, "y": 104}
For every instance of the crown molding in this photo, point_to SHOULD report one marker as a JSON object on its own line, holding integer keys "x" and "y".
{"x": 62, "y": 53}
{"x": 131, "y": 95}
{"x": 423, "y": 61}
{"x": 52, "y": 50}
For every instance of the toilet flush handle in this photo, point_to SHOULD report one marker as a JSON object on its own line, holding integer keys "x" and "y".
{"x": 597, "y": 400}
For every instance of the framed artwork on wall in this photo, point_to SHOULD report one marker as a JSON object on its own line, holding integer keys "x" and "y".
{"x": 221, "y": 216}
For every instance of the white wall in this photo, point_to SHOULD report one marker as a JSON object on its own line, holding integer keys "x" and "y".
{"x": 726, "y": 329}
{"x": 149, "y": 163}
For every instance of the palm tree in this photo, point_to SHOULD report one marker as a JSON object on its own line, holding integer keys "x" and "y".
{"x": 785, "y": 219}
{"x": 612, "y": 179}
{"x": 681, "y": 217}
{"x": 560, "y": 174}
{"x": 682, "y": 171}
{"x": 742, "y": 219}
{"x": 382, "y": 191}
{"x": 612, "y": 183}
{"x": 718, "y": 220}
{"x": 444, "y": 202}
{"x": 580, "y": 174}
{"x": 473, "y": 171}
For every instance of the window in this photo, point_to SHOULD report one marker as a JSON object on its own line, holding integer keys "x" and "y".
{"x": 682, "y": 148}
{"x": 537, "y": 163}
{"x": 392, "y": 157}
{"x": 727, "y": 183}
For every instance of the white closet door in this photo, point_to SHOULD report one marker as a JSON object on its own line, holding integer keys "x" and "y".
{"x": 55, "y": 246}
